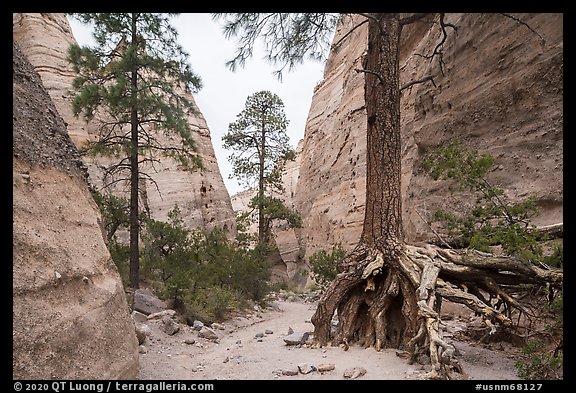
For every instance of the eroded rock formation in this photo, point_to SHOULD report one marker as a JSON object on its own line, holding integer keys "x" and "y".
{"x": 501, "y": 93}
{"x": 201, "y": 195}
{"x": 70, "y": 316}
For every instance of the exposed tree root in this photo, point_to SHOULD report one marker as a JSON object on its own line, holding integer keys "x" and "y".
{"x": 389, "y": 296}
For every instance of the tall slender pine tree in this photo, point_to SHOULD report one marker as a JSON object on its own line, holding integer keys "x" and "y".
{"x": 133, "y": 85}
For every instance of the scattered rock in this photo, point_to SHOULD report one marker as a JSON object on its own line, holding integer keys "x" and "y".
{"x": 207, "y": 333}
{"x": 290, "y": 331}
{"x": 189, "y": 341}
{"x": 290, "y": 372}
{"x": 259, "y": 335}
{"x": 259, "y": 340}
{"x": 218, "y": 326}
{"x": 197, "y": 325}
{"x": 305, "y": 368}
{"x": 142, "y": 349}
{"x": 147, "y": 303}
{"x": 354, "y": 373}
{"x": 296, "y": 338}
{"x": 168, "y": 326}
{"x": 239, "y": 342}
{"x": 159, "y": 315}
{"x": 140, "y": 335}
{"x": 324, "y": 367}
{"x": 226, "y": 359}
{"x": 268, "y": 331}
{"x": 403, "y": 354}
{"x": 138, "y": 316}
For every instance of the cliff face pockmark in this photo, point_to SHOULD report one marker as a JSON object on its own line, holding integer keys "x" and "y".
{"x": 201, "y": 195}
{"x": 70, "y": 315}
{"x": 501, "y": 93}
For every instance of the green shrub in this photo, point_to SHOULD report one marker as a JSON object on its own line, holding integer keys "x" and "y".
{"x": 493, "y": 219}
{"x": 324, "y": 265}
{"x": 540, "y": 363}
{"x": 120, "y": 254}
{"x": 202, "y": 270}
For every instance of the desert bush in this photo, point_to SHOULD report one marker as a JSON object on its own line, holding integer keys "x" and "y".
{"x": 202, "y": 270}
{"x": 494, "y": 219}
{"x": 324, "y": 264}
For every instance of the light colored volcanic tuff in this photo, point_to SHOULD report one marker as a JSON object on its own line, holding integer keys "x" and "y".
{"x": 70, "y": 316}
{"x": 502, "y": 93}
{"x": 201, "y": 195}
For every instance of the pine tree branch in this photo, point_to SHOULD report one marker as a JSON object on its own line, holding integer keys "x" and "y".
{"x": 358, "y": 70}
{"x": 412, "y": 18}
{"x": 337, "y": 44}
{"x": 518, "y": 20}
{"x": 433, "y": 230}
{"x": 422, "y": 80}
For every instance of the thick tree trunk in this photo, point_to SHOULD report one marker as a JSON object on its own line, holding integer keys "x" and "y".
{"x": 383, "y": 214}
{"x": 375, "y": 302}
{"x": 262, "y": 237}
{"x": 134, "y": 183}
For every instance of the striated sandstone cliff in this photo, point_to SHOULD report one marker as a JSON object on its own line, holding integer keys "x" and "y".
{"x": 502, "y": 93}
{"x": 201, "y": 195}
{"x": 70, "y": 316}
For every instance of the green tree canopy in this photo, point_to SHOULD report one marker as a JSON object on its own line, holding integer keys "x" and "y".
{"x": 133, "y": 84}
{"x": 261, "y": 148}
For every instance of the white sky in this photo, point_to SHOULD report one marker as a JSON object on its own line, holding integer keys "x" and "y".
{"x": 224, "y": 92}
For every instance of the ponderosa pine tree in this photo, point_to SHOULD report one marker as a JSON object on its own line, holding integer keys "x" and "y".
{"x": 389, "y": 293}
{"x": 261, "y": 148}
{"x": 132, "y": 84}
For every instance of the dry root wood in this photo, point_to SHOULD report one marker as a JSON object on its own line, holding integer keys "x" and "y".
{"x": 389, "y": 295}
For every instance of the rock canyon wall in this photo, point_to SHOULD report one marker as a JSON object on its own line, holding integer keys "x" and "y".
{"x": 70, "y": 316}
{"x": 200, "y": 195}
{"x": 501, "y": 93}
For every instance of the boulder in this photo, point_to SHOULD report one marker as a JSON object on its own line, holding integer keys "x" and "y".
{"x": 355, "y": 372}
{"x": 140, "y": 333}
{"x": 324, "y": 367}
{"x": 305, "y": 368}
{"x": 197, "y": 325}
{"x": 137, "y": 316}
{"x": 207, "y": 333}
{"x": 159, "y": 315}
{"x": 290, "y": 372}
{"x": 296, "y": 338}
{"x": 168, "y": 326}
{"x": 147, "y": 303}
